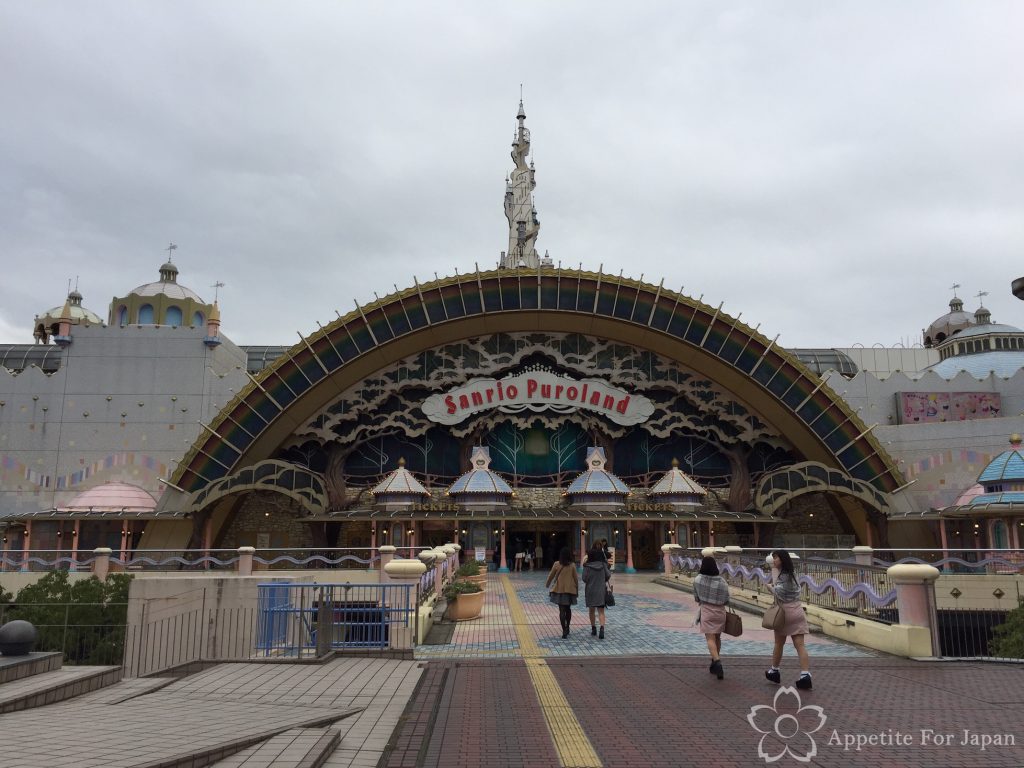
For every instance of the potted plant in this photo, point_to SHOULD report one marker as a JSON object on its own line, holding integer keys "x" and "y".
{"x": 470, "y": 571}
{"x": 465, "y": 600}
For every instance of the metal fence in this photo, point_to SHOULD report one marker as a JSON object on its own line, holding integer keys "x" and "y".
{"x": 296, "y": 620}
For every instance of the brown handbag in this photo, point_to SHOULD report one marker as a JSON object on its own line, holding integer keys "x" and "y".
{"x": 774, "y": 617}
{"x": 733, "y": 623}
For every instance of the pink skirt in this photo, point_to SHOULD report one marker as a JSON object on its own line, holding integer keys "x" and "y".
{"x": 712, "y": 619}
{"x": 796, "y": 620}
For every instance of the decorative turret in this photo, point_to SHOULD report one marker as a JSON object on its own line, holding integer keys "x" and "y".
{"x": 398, "y": 491}
{"x": 678, "y": 489}
{"x": 164, "y": 302}
{"x": 523, "y": 225}
{"x": 596, "y": 489}
{"x": 213, "y": 326}
{"x": 480, "y": 489}
{"x": 949, "y": 324}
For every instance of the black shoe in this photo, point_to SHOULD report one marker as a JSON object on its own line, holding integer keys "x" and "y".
{"x": 717, "y": 670}
{"x": 593, "y": 629}
{"x": 565, "y": 633}
{"x": 804, "y": 682}
{"x": 773, "y": 675}
{"x": 600, "y": 635}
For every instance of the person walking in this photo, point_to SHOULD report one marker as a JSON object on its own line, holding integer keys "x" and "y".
{"x": 787, "y": 593}
{"x": 565, "y": 587}
{"x": 595, "y": 579}
{"x": 712, "y": 595}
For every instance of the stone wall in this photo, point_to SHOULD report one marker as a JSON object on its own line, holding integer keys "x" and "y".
{"x": 268, "y": 520}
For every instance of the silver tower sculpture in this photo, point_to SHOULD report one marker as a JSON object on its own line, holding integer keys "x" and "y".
{"x": 523, "y": 225}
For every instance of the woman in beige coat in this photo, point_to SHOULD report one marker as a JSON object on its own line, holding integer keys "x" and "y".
{"x": 565, "y": 588}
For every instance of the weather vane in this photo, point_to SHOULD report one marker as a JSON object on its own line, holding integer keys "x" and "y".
{"x": 169, "y": 248}
{"x": 981, "y": 295}
{"x": 955, "y": 286}
{"x": 216, "y": 290}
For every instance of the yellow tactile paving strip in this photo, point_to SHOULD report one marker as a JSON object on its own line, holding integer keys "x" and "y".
{"x": 573, "y": 747}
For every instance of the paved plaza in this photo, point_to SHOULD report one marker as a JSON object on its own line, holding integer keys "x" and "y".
{"x": 508, "y": 691}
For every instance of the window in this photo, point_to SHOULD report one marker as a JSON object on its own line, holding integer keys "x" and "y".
{"x": 122, "y": 315}
{"x": 173, "y": 316}
{"x": 146, "y": 314}
{"x": 198, "y": 319}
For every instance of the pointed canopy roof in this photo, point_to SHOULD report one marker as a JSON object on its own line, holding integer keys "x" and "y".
{"x": 480, "y": 479}
{"x": 1008, "y": 466}
{"x": 596, "y": 479}
{"x": 400, "y": 481}
{"x": 675, "y": 481}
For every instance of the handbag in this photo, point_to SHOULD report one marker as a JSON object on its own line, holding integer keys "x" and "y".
{"x": 733, "y": 623}
{"x": 774, "y": 617}
{"x": 609, "y": 596}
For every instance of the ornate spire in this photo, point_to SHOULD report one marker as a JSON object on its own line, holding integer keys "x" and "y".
{"x": 523, "y": 225}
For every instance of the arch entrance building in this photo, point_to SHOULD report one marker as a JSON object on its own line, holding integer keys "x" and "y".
{"x": 538, "y": 365}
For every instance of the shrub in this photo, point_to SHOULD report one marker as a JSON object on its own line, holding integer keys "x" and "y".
{"x": 456, "y": 588}
{"x": 468, "y": 568}
{"x": 84, "y": 619}
{"x": 1008, "y": 638}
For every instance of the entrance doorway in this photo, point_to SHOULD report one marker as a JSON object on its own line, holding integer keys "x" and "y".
{"x": 541, "y": 538}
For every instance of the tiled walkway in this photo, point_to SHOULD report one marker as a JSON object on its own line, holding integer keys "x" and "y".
{"x": 648, "y": 619}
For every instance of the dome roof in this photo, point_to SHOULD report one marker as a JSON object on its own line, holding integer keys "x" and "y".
{"x": 981, "y": 330}
{"x": 480, "y": 479}
{"x": 167, "y": 285}
{"x": 112, "y": 497}
{"x": 970, "y": 494}
{"x": 597, "y": 479}
{"x": 951, "y": 323}
{"x": 400, "y": 481}
{"x": 1008, "y": 466}
{"x": 675, "y": 481}
{"x": 1002, "y": 363}
{"x": 75, "y": 311}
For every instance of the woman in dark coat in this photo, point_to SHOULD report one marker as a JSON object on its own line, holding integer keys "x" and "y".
{"x": 595, "y": 579}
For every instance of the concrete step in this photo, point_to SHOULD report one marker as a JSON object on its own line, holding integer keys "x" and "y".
{"x": 16, "y": 667}
{"x": 54, "y": 686}
{"x": 296, "y": 748}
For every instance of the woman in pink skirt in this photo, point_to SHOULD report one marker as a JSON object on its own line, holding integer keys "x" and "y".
{"x": 787, "y": 593}
{"x": 712, "y": 594}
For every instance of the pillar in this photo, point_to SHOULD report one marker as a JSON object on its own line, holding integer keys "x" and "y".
{"x": 25, "y": 545}
{"x": 207, "y": 539}
{"x": 245, "y": 555}
{"x": 373, "y": 537}
{"x": 629, "y": 548}
{"x": 711, "y": 534}
{"x": 1015, "y": 532}
{"x": 124, "y": 540}
{"x": 915, "y": 595}
{"x": 74, "y": 543}
{"x": 401, "y": 637}
{"x": 675, "y": 532}
{"x": 387, "y": 553}
{"x": 583, "y": 541}
{"x": 101, "y": 562}
{"x": 666, "y": 557}
{"x": 503, "y": 568}
{"x": 757, "y": 535}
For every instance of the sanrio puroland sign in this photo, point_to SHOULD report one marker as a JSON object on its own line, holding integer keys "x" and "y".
{"x": 537, "y": 391}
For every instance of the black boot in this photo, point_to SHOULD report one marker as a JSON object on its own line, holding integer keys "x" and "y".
{"x": 717, "y": 670}
{"x": 593, "y": 629}
{"x": 600, "y": 635}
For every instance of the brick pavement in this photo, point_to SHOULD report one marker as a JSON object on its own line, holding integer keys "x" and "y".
{"x": 668, "y": 711}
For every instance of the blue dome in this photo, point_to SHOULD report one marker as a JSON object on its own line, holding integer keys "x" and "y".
{"x": 597, "y": 481}
{"x": 1008, "y": 466}
{"x": 1003, "y": 363}
{"x": 1011, "y": 497}
{"x": 481, "y": 481}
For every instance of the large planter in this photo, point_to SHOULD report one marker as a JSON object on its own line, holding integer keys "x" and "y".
{"x": 480, "y": 580}
{"x": 466, "y": 606}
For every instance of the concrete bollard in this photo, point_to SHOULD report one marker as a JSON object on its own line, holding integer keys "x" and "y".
{"x": 863, "y": 555}
{"x": 387, "y": 554}
{"x": 101, "y": 562}
{"x": 666, "y": 555}
{"x": 458, "y": 553}
{"x": 732, "y": 555}
{"x": 401, "y": 636}
{"x": 245, "y": 555}
{"x": 440, "y": 557}
{"x": 915, "y": 596}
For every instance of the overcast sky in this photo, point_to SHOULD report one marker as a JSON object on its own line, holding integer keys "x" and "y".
{"x": 826, "y": 169}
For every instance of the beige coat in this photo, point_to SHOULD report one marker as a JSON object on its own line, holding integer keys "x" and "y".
{"x": 566, "y": 580}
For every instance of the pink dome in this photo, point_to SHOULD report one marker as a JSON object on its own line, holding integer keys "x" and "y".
{"x": 111, "y": 497}
{"x": 971, "y": 493}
